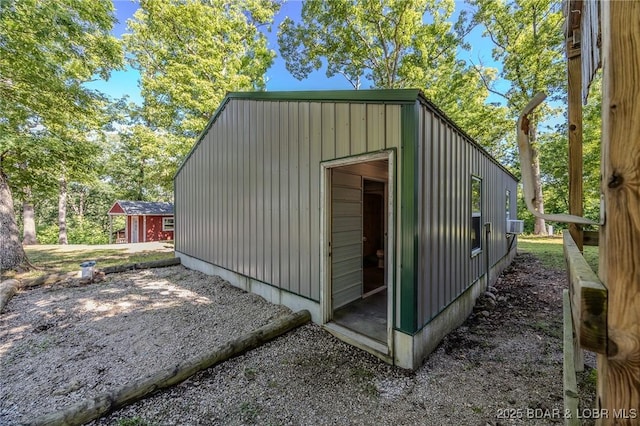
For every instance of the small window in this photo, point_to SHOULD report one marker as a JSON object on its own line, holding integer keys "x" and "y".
{"x": 507, "y": 205}
{"x": 476, "y": 215}
{"x": 167, "y": 224}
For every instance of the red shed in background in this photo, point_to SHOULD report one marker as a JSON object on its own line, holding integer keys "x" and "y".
{"x": 145, "y": 221}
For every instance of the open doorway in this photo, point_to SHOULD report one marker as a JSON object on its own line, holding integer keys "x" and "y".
{"x": 373, "y": 239}
{"x": 358, "y": 196}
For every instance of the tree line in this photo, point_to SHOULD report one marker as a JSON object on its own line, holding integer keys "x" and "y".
{"x": 67, "y": 152}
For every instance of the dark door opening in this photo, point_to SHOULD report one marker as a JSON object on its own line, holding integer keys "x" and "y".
{"x": 357, "y": 240}
{"x": 373, "y": 238}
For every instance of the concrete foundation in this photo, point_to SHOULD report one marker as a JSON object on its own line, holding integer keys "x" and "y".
{"x": 268, "y": 292}
{"x": 409, "y": 351}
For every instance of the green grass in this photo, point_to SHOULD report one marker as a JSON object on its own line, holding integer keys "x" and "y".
{"x": 549, "y": 251}
{"x": 50, "y": 260}
{"x": 133, "y": 421}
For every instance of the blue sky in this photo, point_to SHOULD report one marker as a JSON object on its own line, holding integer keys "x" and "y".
{"x": 278, "y": 78}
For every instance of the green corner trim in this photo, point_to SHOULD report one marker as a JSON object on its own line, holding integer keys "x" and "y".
{"x": 409, "y": 219}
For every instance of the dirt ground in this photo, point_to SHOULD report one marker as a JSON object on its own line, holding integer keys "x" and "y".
{"x": 502, "y": 366}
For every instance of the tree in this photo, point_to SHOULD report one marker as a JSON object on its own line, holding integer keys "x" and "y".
{"x": 394, "y": 44}
{"x": 140, "y": 162}
{"x": 527, "y": 35}
{"x": 47, "y": 51}
{"x": 191, "y": 53}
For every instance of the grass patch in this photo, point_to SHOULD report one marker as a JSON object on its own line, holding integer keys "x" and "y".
{"x": 550, "y": 252}
{"x": 551, "y": 330}
{"x": 249, "y": 411}
{"x": 66, "y": 261}
{"x": 56, "y": 260}
{"x": 133, "y": 421}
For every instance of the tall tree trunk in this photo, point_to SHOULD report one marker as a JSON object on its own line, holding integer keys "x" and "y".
{"x": 12, "y": 254}
{"x": 62, "y": 212}
{"x": 539, "y": 226}
{"x": 28, "y": 219}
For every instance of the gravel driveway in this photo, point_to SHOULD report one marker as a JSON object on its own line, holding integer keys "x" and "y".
{"x": 61, "y": 344}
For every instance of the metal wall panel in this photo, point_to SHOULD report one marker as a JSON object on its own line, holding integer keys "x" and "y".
{"x": 448, "y": 160}
{"x": 315, "y": 155}
{"x": 375, "y": 127}
{"x": 248, "y": 198}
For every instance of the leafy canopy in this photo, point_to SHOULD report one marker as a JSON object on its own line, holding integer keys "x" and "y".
{"x": 394, "y": 44}
{"x": 191, "y": 53}
{"x": 48, "y": 49}
{"x": 527, "y": 38}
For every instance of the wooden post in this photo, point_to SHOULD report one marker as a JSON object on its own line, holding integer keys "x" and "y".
{"x": 110, "y": 229}
{"x": 619, "y": 369}
{"x": 574, "y": 71}
{"x": 569, "y": 381}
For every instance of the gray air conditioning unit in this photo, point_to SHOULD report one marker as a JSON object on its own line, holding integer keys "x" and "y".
{"x": 515, "y": 226}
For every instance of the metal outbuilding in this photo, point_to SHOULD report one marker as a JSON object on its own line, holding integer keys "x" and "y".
{"x": 371, "y": 209}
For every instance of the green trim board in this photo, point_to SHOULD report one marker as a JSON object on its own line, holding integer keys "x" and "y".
{"x": 409, "y": 219}
{"x": 369, "y": 95}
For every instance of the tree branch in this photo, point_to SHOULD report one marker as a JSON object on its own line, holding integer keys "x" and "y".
{"x": 485, "y": 83}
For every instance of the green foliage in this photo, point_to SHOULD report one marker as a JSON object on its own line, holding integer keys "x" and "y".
{"x": 395, "y": 44}
{"x": 141, "y": 162}
{"x": 48, "y": 50}
{"x": 249, "y": 411}
{"x": 78, "y": 232}
{"x": 133, "y": 421}
{"x": 190, "y": 53}
{"x": 527, "y": 38}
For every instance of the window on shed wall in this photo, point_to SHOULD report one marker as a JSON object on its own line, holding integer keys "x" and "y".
{"x": 476, "y": 214}
{"x": 507, "y": 204}
{"x": 167, "y": 224}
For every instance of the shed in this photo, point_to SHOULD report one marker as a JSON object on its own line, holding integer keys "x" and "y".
{"x": 144, "y": 221}
{"x": 371, "y": 209}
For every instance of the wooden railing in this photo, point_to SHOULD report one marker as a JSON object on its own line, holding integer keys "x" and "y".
{"x": 585, "y": 321}
{"x": 588, "y": 300}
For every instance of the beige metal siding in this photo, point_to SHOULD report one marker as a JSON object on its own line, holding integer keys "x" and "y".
{"x": 447, "y": 161}
{"x": 248, "y": 197}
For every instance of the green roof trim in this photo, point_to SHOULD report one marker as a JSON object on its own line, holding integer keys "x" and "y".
{"x": 369, "y": 95}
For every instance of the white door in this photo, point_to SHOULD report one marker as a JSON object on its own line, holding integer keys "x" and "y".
{"x": 134, "y": 229}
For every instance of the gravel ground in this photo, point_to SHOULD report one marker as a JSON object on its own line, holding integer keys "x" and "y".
{"x": 502, "y": 366}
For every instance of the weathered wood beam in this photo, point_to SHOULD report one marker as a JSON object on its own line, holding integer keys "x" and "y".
{"x": 588, "y": 299}
{"x": 591, "y": 238}
{"x": 7, "y": 289}
{"x": 570, "y": 384}
{"x": 619, "y": 370}
{"x": 141, "y": 265}
{"x": 574, "y": 73}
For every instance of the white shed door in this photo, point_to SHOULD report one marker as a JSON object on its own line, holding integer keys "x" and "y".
{"x": 134, "y": 229}
{"x": 346, "y": 238}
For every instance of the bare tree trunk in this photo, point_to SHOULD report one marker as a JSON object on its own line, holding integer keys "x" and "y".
{"x": 28, "y": 219}
{"x": 539, "y": 226}
{"x": 62, "y": 212}
{"x": 11, "y": 252}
